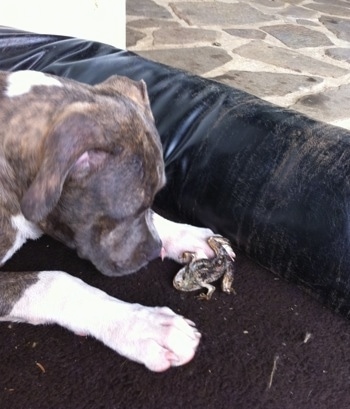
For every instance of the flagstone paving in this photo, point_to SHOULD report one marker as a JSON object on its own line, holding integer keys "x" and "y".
{"x": 295, "y": 53}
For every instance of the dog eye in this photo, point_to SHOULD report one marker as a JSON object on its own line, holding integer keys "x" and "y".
{"x": 137, "y": 165}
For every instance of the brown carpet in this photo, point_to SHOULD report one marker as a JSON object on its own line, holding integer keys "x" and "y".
{"x": 271, "y": 346}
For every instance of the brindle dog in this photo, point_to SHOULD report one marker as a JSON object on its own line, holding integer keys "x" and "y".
{"x": 83, "y": 164}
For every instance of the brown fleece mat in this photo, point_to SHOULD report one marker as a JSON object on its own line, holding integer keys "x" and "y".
{"x": 271, "y": 346}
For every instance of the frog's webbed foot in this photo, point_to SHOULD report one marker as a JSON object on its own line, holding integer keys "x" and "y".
{"x": 228, "y": 289}
{"x": 209, "y": 294}
{"x": 187, "y": 257}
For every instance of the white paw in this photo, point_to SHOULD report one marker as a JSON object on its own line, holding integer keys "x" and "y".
{"x": 178, "y": 238}
{"x": 154, "y": 336}
{"x": 188, "y": 238}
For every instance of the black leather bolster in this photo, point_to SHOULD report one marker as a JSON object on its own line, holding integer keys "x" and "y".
{"x": 272, "y": 180}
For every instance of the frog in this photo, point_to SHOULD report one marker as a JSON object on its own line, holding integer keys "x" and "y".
{"x": 201, "y": 272}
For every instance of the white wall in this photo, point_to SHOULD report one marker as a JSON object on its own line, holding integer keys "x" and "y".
{"x": 99, "y": 20}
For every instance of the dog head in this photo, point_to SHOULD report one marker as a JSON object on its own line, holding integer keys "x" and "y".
{"x": 101, "y": 167}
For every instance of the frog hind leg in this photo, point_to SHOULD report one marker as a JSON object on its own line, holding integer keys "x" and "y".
{"x": 206, "y": 296}
{"x": 227, "y": 281}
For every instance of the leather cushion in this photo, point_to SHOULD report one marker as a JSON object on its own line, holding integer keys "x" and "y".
{"x": 272, "y": 180}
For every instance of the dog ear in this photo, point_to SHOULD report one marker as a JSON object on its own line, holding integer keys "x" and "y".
{"x": 68, "y": 140}
{"x": 142, "y": 89}
{"x": 135, "y": 90}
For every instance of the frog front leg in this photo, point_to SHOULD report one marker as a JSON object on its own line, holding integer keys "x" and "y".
{"x": 187, "y": 257}
{"x": 206, "y": 296}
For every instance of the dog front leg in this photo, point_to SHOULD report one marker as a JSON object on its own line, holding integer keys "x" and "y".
{"x": 154, "y": 336}
{"x": 178, "y": 238}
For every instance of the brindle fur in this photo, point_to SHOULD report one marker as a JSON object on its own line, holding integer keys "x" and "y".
{"x": 12, "y": 287}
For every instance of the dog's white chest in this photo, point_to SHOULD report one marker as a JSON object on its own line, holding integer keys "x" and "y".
{"x": 24, "y": 230}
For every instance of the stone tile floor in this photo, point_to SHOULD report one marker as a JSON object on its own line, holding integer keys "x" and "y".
{"x": 294, "y": 53}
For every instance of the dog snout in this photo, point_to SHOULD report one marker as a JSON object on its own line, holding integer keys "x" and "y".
{"x": 155, "y": 251}
{"x": 154, "y": 240}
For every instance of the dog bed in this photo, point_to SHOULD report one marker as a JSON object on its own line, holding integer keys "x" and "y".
{"x": 275, "y": 183}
